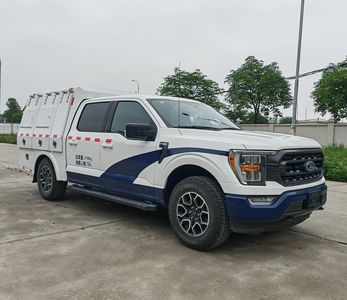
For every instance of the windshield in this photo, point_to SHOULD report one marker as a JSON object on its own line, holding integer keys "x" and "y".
{"x": 192, "y": 115}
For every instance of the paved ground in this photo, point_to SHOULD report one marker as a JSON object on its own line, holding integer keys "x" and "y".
{"x": 86, "y": 248}
{"x": 8, "y": 155}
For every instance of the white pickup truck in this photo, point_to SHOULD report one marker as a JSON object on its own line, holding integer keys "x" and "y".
{"x": 153, "y": 151}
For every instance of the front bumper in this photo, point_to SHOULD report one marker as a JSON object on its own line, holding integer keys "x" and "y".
{"x": 290, "y": 208}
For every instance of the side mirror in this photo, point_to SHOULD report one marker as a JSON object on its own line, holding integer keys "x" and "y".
{"x": 138, "y": 131}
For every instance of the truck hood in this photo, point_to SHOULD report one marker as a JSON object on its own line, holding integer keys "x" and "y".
{"x": 252, "y": 140}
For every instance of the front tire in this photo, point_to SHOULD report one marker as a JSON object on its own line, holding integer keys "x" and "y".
{"x": 49, "y": 187}
{"x": 198, "y": 214}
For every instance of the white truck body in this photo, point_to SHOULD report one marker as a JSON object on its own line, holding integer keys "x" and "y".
{"x": 109, "y": 162}
{"x": 45, "y": 124}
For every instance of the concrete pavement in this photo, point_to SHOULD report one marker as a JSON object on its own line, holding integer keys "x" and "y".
{"x": 8, "y": 155}
{"x": 85, "y": 248}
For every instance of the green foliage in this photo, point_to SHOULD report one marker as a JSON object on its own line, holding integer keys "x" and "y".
{"x": 193, "y": 85}
{"x": 13, "y": 113}
{"x": 244, "y": 117}
{"x": 237, "y": 116}
{"x": 335, "y": 163}
{"x": 330, "y": 92}
{"x": 249, "y": 118}
{"x": 286, "y": 120}
{"x": 8, "y": 138}
{"x": 258, "y": 88}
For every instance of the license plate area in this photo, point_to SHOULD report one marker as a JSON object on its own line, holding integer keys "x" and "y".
{"x": 314, "y": 199}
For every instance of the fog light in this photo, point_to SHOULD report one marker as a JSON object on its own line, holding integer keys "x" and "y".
{"x": 262, "y": 200}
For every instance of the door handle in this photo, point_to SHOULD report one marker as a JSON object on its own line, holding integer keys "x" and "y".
{"x": 72, "y": 142}
{"x": 108, "y": 145}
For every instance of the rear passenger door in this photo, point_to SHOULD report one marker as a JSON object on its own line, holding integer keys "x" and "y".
{"x": 128, "y": 164}
{"x": 83, "y": 143}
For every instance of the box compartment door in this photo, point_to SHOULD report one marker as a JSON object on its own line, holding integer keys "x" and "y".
{"x": 44, "y": 123}
{"x": 64, "y": 100}
{"x": 26, "y": 129}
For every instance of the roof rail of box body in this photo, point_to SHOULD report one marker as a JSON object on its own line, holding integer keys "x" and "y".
{"x": 77, "y": 91}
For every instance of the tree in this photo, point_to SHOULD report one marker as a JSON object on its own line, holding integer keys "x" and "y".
{"x": 258, "y": 88}
{"x": 249, "y": 119}
{"x": 193, "y": 85}
{"x": 244, "y": 117}
{"x": 13, "y": 113}
{"x": 237, "y": 116}
{"x": 330, "y": 92}
{"x": 286, "y": 120}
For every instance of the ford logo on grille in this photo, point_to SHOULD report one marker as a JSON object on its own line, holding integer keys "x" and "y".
{"x": 310, "y": 166}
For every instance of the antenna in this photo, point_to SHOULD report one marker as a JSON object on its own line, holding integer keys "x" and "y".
{"x": 179, "y": 95}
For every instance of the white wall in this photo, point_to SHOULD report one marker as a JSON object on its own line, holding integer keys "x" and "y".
{"x": 327, "y": 133}
{"x": 7, "y": 128}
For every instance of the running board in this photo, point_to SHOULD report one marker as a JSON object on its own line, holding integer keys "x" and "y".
{"x": 115, "y": 199}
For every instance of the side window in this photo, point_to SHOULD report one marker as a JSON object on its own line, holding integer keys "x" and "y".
{"x": 129, "y": 112}
{"x": 93, "y": 117}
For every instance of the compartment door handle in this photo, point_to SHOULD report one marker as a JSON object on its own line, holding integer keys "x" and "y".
{"x": 72, "y": 142}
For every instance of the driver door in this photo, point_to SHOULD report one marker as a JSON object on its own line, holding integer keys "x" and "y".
{"x": 128, "y": 164}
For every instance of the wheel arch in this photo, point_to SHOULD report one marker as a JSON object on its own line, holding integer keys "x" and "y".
{"x": 183, "y": 172}
{"x": 58, "y": 173}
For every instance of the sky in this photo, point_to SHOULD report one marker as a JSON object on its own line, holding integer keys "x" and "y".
{"x": 103, "y": 45}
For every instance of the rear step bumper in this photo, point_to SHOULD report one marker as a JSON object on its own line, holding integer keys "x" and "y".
{"x": 116, "y": 199}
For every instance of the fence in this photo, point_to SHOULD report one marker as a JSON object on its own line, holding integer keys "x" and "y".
{"x": 7, "y": 128}
{"x": 325, "y": 133}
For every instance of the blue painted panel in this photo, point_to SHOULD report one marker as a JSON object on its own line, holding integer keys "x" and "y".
{"x": 119, "y": 178}
{"x": 130, "y": 168}
{"x": 239, "y": 207}
{"x": 119, "y": 188}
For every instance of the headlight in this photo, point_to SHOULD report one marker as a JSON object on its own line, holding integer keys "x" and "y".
{"x": 249, "y": 167}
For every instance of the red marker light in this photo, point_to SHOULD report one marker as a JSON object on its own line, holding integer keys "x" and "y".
{"x": 47, "y": 135}
{"x": 55, "y": 136}
{"x": 69, "y": 137}
{"x": 108, "y": 141}
{"x": 97, "y": 140}
{"x": 78, "y": 138}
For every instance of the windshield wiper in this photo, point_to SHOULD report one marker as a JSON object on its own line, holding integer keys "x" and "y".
{"x": 229, "y": 128}
{"x": 198, "y": 127}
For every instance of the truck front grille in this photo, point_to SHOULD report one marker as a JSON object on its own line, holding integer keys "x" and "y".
{"x": 293, "y": 167}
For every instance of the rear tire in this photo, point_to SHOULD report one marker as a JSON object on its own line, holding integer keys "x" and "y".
{"x": 198, "y": 214}
{"x": 49, "y": 187}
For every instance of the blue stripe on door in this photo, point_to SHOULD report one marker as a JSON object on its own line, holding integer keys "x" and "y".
{"x": 120, "y": 176}
{"x": 130, "y": 168}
